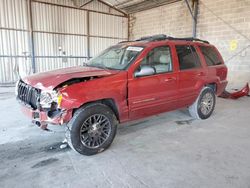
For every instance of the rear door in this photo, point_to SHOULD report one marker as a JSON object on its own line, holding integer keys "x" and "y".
{"x": 191, "y": 74}
{"x": 156, "y": 93}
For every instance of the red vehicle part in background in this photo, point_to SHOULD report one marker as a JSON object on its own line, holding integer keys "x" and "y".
{"x": 235, "y": 95}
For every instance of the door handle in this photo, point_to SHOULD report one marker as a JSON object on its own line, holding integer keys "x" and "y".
{"x": 201, "y": 74}
{"x": 170, "y": 79}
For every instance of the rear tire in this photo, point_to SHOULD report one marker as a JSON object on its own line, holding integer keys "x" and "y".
{"x": 92, "y": 129}
{"x": 204, "y": 105}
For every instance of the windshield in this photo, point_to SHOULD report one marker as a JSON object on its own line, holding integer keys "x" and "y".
{"x": 116, "y": 57}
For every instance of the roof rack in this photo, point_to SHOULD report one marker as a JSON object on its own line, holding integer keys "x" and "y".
{"x": 124, "y": 41}
{"x": 165, "y": 37}
{"x": 153, "y": 38}
{"x": 189, "y": 39}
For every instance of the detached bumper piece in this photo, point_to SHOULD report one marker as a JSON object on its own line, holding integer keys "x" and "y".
{"x": 235, "y": 95}
{"x": 57, "y": 117}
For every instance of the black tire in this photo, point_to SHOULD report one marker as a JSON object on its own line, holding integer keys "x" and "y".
{"x": 82, "y": 137}
{"x": 199, "y": 107}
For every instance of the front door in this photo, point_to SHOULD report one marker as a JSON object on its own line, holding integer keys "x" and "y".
{"x": 152, "y": 94}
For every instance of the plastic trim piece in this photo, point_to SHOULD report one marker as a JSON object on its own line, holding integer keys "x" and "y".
{"x": 235, "y": 95}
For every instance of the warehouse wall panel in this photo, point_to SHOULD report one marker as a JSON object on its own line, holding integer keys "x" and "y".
{"x": 47, "y": 64}
{"x": 13, "y": 14}
{"x": 109, "y": 26}
{"x": 14, "y": 40}
{"x": 55, "y": 36}
{"x": 58, "y": 19}
{"x": 99, "y": 44}
{"x": 58, "y": 45}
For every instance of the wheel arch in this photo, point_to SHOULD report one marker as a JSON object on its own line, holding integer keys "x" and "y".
{"x": 106, "y": 101}
{"x": 212, "y": 85}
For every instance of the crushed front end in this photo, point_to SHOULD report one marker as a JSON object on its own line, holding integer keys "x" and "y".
{"x": 43, "y": 107}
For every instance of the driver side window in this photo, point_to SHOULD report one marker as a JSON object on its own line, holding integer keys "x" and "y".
{"x": 160, "y": 59}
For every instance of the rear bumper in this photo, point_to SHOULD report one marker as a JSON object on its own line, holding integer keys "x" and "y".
{"x": 42, "y": 117}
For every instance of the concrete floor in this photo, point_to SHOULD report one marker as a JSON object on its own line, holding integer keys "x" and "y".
{"x": 168, "y": 150}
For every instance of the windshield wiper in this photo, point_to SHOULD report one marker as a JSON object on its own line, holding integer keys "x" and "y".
{"x": 89, "y": 65}
{"x": 98, "y": 65}
{"x": 85, "y": 65}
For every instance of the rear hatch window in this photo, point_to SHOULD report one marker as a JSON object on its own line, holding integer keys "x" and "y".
{"x": 210, "y": 55}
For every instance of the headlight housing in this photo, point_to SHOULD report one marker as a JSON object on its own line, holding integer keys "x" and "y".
{"x": 47, "y": 98}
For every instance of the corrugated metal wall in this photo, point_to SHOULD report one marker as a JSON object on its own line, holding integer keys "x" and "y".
{"x": 14, "y": 39}
{"x": 60, "y": 34}
{"x": 60, "y": 39}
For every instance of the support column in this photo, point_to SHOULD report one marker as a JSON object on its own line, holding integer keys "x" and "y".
{"x": 88, "y": 36}
{"x": 31, "y": 36}
{"x": 195, "y": 18}
{"x": 194, "y": 15}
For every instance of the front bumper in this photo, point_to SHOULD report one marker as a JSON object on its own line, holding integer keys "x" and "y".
{"x": 43, "y": 117}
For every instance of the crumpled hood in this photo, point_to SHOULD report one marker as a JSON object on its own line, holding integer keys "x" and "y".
{"x": 49, "y": 80}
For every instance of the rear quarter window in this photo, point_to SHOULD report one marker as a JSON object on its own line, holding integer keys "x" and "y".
{"x": 211, "y": 56}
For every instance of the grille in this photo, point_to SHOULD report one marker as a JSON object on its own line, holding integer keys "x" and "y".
{"x": 28, "y": 94}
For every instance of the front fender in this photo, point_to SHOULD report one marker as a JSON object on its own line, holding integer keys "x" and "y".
{"x": 111, "y": 87}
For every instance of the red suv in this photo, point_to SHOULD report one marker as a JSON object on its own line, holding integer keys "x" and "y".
{"x": 128, "y": 81}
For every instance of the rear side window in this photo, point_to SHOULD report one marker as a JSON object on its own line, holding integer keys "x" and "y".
{"x": 188, "y": 58}
{"x": 210, "y": 55}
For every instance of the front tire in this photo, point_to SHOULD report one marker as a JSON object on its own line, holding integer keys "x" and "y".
{"x": 92, "y": 129}
{"x": 204, "y": 105}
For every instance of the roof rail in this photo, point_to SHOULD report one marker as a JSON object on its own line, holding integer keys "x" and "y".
{"x": 124, "y": 41}
{"x": 153, "y": 38}
{"x": 165, "y": 37}
{"x": 189, "y": 39}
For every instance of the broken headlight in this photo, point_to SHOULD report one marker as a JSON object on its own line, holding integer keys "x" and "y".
{"x": 47, "y": 98}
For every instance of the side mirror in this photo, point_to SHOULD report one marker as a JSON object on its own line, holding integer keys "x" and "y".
{"x": 144, "y": 71}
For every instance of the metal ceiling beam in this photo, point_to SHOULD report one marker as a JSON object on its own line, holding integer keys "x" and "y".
{"x": 84, "y": 4}
{"x": 147, "y": 4}
{"x": 75, "y": 3}
{"x": 189, "y": 8}
{"x": 124, "y": 4}
{"x": 73, "y": 7}
{"x": 113, "y": 7}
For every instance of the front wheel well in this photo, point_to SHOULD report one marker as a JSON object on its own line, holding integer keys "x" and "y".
{"x": 108, "y": 102}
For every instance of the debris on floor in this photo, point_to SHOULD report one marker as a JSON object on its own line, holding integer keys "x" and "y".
{"x": 58, "y": 147}
{"x": 185, "y": 122}
{"x": 64, "y": 144}
{"x": 237, "y": 94}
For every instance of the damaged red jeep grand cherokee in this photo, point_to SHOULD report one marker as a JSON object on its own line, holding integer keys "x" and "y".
{"x": 128, "y": 81}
